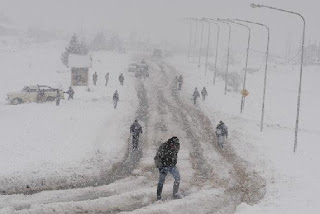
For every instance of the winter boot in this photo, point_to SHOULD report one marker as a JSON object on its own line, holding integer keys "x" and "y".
{"x": 159, "y": 191}
{"x": 175, "y": 190}
{"x": 158, "y": 197}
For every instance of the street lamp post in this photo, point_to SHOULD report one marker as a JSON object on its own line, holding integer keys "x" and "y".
{"x": 246, "y": 68}
{"x": 217, "y": 48}
{"x": 200, "y": 43}
{"x": 190, "y": 35}
{"x": 301, "y": 66}
{"x": 195, "y": 40}
{"x": 227, "y": 70}
{"x": 265, "y": 70}
{"x": 208, "y": 44}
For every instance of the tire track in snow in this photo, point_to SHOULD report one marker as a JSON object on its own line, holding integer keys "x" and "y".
{"x": 243, "y": 186}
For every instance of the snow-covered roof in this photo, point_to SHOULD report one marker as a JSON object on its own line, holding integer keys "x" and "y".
{"x": 79, "y": 61}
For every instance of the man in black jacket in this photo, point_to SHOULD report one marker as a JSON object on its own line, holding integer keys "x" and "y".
{"x": 70, "y": 92}
{"x": 166, "y": 160}
{"x": 135, "y": 130}
{"x": 221, "y": 132}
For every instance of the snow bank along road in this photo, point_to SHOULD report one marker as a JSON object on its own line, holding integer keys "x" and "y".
{"x": 212, "y": 180}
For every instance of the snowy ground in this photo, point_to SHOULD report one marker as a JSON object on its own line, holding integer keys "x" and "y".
{"x": 43, "y": 143}
{"x": 86, "y": 139}
{"x": 292, "y": 178}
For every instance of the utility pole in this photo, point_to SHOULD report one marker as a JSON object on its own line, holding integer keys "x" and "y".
{"x": 265, "y": 70}
{"x": 301, "y": 66}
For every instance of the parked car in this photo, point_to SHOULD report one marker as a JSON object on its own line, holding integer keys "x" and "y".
{"x": 38, "y": 93}
{"x": 133, "y": 67}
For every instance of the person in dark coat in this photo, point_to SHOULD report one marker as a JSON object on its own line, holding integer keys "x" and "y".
{"x": 58, "y": 98}
{"x": 41, "y": 96}
{"x": 135, "y": 130}
{"x": 204, "y": 93}
{"x": 175, "y": 82}
{"x": 166, "y": 160}
{"x": 107, "y": 78}
{"x": 121, "y": 79}
{"x": 222, "y": 133}
{"x": 115, "y": 99}
{"x": 180, "y": 81}
{"x": 70, "y": 92}
{"x": 95, "y": 78}
{"x": 195, "y": 95}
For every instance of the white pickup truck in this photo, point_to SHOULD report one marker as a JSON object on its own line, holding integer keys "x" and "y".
{"x": 38, "y": 93}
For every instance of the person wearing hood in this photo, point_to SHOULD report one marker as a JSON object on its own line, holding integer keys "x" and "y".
{"x": 166, "y": 160}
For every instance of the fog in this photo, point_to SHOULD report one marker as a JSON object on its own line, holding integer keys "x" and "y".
{"x": 161, "y": 20}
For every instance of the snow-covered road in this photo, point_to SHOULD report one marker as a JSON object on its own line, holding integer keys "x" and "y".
{"x": 213, "y": 180}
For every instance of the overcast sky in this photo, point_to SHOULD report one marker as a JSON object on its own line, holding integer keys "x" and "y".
{"x": 160, "y": 18}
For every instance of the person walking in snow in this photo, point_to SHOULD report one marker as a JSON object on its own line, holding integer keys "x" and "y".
{"x": 204, "y": 93}
{"x": 40, "y": 95}
{"x": 121, "y": 79}
{"x": 70, "y": 92}
{"x": 195, "y": 95}
{"x": 95, "y": 78}
{"x": 107, "y": 78}
{"x": 222, "y": 133}
{"x": 166, "y": 160}
{"x": 180, "y": 81}
{"x": 175, "y": 83}
{"x": 135, "y": 130}
{"x": 115, "y": 99}
{"x": 58, "y": 98}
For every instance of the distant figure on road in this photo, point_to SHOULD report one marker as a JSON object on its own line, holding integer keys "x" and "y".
{"x": 166, "y": 160}
{"x": 195, "y": 95}
{"x": 70, "y": 92}
{"x": 175, "y": 82}
{"x": 107, "y": 78}
{"x": 221, "y": 132}
{"x": 204, "y": 93}
{"x": 180, "y": 82}
{"x": 115, "y": 99}
{"x": 58, "y": 98}
{"x": 135, "y": 130}
{"x": 121, "y": 79}
{"x": 95, "y": 78}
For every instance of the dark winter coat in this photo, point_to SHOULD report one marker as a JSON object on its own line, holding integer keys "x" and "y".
{"x": 116, "y": 96}
{"x": 167, "y": 155}
{"x": 196, "y": 94}
{"x": 135, "y": 129}
{"x": 204, "y": 92}
{"x": 70, "y": 92}
{"x": 180, "y": 79}
{"x": 222, "y": 129}
{"x": 121, "y": 78}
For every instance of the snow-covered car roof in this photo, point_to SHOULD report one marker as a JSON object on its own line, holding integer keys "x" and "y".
{"x": 36, "y": 87}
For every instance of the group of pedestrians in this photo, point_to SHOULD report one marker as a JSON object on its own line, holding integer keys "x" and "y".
{"x": 70, "y": 92}
{"x": 167, "y": 155}
{"x": 115, "y": 97}
{"x": 178, "y": 85}
{"x": 196, "y": 94}
{"x": 95, "y": 78}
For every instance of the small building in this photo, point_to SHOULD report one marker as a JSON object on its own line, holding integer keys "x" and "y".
{"x": 79, "y": 65}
